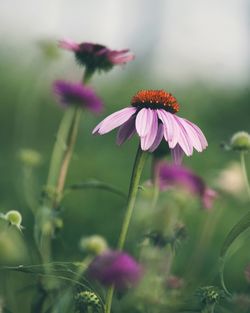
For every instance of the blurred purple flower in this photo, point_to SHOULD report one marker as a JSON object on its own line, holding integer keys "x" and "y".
{"x": 169, "y": 175}
{"x": 115, "y": 268}
{"x": 96, "y": 56}
{"x": 152, "y": 116}
{"x": 77, "y": 94}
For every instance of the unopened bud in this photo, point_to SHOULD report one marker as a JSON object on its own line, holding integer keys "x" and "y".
{"x": 30, "y": 157}
{"x": 86, "y": 300}
{"x": 241, "y": 141}
{"x": 14, "y": 218}
{"x": 93, "y": 244}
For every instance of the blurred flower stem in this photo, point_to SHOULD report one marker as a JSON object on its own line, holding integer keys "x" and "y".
{"x": 244, "y": 170}
{"x": 59, "y": 164}
{"x": 133, "y": 190}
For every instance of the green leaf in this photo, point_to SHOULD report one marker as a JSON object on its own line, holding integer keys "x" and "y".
{"x": 235, "y": 232}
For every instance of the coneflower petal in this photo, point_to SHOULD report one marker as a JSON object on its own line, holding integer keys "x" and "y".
{"x": 126, "y": 131}
{"x": 114, "y": 120}
{"x": 158, "y": 137}
{"x": 148, "y": 140}
{"x": 143, "y": 122}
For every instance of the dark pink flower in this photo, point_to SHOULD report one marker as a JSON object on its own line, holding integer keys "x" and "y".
{"x": 115, "y": 268}
{"x": 152, "y": 117}
{"x": 77, "y": 94}
{"x": 96, "y": 56}
{"x": 170, "y": 175}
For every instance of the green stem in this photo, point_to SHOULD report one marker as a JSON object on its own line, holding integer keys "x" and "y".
{"x": 61, "y": 149}
{"x": 243, "y": 165}
{"x": 133, "y": 189}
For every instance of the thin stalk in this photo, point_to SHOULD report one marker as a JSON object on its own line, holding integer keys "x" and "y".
{"x": 133, "y": 189}
{"x": 244, "y": 170}
{"x": 68, "y": 152}
{"x": 61, "y": 157}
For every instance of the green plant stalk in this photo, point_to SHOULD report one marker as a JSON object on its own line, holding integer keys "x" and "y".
{"x": 244, "y": 170}
{"x": 61, "y": 157}
{"x": 133, "y": 189}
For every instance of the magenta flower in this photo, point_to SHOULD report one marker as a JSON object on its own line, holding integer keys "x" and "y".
{"x": 152, "y": 117}
{"x": 95, "y": 56}
{"x": 170, "y": 175}
{"x": 115, "y": 268}
{"x": 77, "y": 94}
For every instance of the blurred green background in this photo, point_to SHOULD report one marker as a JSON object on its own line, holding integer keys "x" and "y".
{"x": 29, "y": 118}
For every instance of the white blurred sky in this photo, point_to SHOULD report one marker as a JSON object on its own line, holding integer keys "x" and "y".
{"x": 184, "y": 40}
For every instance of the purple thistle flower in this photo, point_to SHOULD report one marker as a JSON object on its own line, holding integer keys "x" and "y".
{"x": 172, "y": 175}
{"x": 77, "y": 94}
{"x": 96, "y": 56}
{"x": 115, "y": 268}
{"x": 152, "y": 117}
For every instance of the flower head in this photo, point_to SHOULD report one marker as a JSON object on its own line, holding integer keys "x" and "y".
{"x": 30, "y": 157}
{"x": 240, "y": 141}
{"x": 77, "y": 94}
{"x": 94, "y": 244}
{"x": 172, "y": 175}
{"x": 115, "y": 268}
{"x": 96, "y": 56}
{"x": 14, "y": 218}
{"x": 152, "y": 116}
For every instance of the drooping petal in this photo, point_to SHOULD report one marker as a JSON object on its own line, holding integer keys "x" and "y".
{"x": 148, "y": 140}
{"x": 114, "y": 120}
{"x": 203, "y": 139}
{"x": 143, "y": 122}
{"x": 171, "y": 128}
{"x": 184, "y": 140}
{"x": 68, "y": 44}
{"x": 177, "y": 154}
{"x": 158, "y": 138}
{"x": 120, "y": 57}
{"x": 126, "y": 131}
{"x": 192, "y": 134}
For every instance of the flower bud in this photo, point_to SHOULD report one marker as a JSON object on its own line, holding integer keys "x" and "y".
{"x": 86, "y": 300}
{"x": 241, "y": 141}
{"x": 30, "y": 157}
{"x": 14, "y": 218}
{"x": 93, "y": 244}
{"x": 210, "y": 295}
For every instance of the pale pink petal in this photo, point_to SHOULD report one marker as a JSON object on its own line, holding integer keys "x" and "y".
{"x": 120, "y": 57}
{"x": 171, "y": 127}
{"x": 68, "y": 44}
{"x": 126, "y": 131}
{"x": 184, "y": 140}
{"x": 192, "y": 134}
{"x": 177, "y": 154}
{"x": 143, "y": 122}
{"x": 148, "y": 140}
{"x": 114, "y": 120}
{"x": 203, "y": 139}
{"x": 158, "y": 138}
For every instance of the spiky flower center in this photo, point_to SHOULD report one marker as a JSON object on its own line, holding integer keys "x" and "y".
{"x": 94, "y": 57}
{"x": 155, "y": 99}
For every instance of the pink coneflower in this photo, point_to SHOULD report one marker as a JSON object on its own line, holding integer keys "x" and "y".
{"x": 115, "y": 268}
{"x": 152, "y": 117}
{"x": 171, "y": 175}
{"x": 96, "y": 56}
{"x": 77, "y": 94}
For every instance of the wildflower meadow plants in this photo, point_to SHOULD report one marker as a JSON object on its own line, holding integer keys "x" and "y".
{"x": 140, "y": 273}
